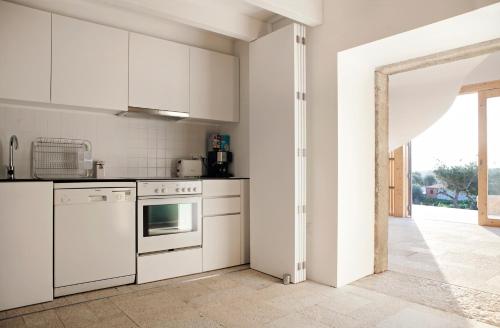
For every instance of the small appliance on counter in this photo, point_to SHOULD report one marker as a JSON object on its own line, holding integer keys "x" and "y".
{"x": 219, "y": 156}
{"x": 189, "y": 168}
{"x": 99, "y": 170}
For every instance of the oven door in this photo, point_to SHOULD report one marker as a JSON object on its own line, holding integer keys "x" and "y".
{"x": 168, "y": 223}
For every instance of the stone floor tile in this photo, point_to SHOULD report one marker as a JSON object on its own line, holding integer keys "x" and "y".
{"x": 295, "y": 320}
{"x": 117, "y": 321}
{"x": 198, "y": 322}
{"x": 241, "y": 313}
{"x": 344, "y": 302}
{"x": 17, "y": 322}
{"x": 330, "y": 318}
{"x": 77, "y": 315}
{"x": 104, "y": 309}
{"x": 48, "y": 319}
{"x": 296, "y": 301}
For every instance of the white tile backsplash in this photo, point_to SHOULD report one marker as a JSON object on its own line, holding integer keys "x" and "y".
{"x": 130, "y": 147}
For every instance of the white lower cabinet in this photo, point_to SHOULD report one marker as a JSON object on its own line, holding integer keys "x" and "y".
{"x": 26, "y": 248}
{"x": 221, "y": 241}
{"x": 167, "y": 265}
{"x": 225, "y": 223}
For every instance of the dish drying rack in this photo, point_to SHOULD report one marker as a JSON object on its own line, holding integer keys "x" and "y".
{"x": 61, "y": 158}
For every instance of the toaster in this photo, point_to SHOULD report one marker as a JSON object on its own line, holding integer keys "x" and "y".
{"x": 189, "y": 168}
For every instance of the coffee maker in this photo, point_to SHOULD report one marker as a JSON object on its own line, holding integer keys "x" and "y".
{"x": 218, "y": 156}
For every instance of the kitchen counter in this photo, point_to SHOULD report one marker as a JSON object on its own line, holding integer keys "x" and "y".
{"x": 118, "y": 179}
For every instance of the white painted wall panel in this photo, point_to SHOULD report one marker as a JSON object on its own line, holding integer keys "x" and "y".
{"x": 276, "y": 234}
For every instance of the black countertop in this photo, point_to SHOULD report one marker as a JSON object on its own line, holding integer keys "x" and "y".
{"x": 117, "y": 179}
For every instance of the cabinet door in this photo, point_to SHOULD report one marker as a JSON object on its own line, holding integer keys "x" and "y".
{"x": 158, "y": 74}
{"x": 89, "y": 64}
{"x": 221, "y": 242}
{"x": 24, "y": 53}
{"x": 25, "y": 243}
{"x": 214, "y": 86}
{"x": 221, "y": 188}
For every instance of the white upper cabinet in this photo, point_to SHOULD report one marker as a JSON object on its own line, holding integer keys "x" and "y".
{"x": 158, "y": 74}
{"x": 89, "y": 64}
{"x": 24, "y": 53}
{"x": 214, "y": 86}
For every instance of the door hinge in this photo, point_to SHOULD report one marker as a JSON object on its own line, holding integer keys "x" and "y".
{"x": 303, "y": 96}
{"x": 297, "y": 38}
{"x": 304, "y": 40}
{"x": 298, "y": 95}
{"x": 301, "y": 266}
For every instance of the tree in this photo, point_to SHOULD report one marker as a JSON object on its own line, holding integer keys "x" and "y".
{"x": 416, "y": 179}
{"x": 429, "y": 180}
{"x": 416, "y": 194}
{"x": 457, "y": 179}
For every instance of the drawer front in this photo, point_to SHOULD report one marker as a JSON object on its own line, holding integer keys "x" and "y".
{"x": 221, "y": 242}
{"x": 217, "y": 188}
{"x": 221, "y": 206}
{"x": 167, "y": 265}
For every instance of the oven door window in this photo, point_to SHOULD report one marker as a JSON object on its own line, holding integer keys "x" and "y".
{"x": 168, "y": 219}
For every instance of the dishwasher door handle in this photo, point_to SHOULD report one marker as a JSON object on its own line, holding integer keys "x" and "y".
{"x": 98, "y": 198}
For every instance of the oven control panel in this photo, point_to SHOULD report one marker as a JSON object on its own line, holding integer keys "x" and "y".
{"x": 166, "y": 188}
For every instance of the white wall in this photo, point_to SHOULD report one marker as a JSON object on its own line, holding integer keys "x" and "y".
{"x": 347, "y": 24}
{"x": 131, "y": 147}
{"x": 356, "y": 100}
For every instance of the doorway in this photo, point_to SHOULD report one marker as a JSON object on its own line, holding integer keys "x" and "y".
{"x": 382, "y": 141}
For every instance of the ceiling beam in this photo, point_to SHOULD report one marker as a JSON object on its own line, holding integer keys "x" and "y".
{"x": 207, "y": 15}
{"x": 308, "y": 12}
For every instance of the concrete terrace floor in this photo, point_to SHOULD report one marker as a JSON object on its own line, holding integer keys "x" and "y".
{"x": 444, "y": 264}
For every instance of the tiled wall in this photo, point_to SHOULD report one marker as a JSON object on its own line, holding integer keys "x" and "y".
{"x": 130, "y": 147}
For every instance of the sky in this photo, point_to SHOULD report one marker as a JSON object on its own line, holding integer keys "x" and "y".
{"x": 452, "y": 139}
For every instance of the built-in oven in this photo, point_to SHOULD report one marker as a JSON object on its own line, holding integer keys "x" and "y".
{"x": 168, "y": 215}
{"x": 167, "y": 223}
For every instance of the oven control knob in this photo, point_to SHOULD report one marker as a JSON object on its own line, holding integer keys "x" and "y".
{"x": 183, "y": 189}
{"x": 163, "y": 190}
{"x": 177, "y": 189}
{"x": 189, "y": 189}
{"x": 194, "y": 188}
{"x": 157, "y": 190}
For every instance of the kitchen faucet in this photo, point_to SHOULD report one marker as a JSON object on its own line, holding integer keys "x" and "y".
{"x": 13, "y": 144}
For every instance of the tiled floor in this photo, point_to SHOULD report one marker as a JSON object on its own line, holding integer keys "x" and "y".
{"x": 446, "y": 265}
{"x": 462, "y": 254}
{"x": 443, "y": 274}
{"x": 233, "y": 298}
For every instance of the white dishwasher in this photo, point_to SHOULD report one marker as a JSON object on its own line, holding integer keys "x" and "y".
{"x": 94, "y": 235}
